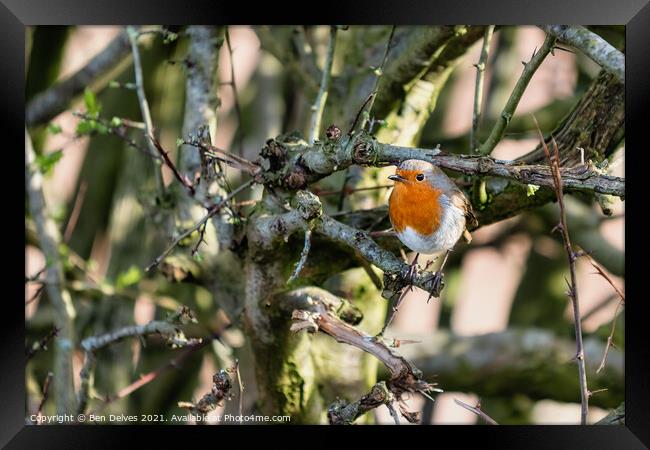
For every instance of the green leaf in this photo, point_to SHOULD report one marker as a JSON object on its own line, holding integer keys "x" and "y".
{"x": 53, "y": 128}
{"x": 85, "y": 127}
{"x": 46, "y": 162}
{"x": 116, "y": 122}
{"x": 90, "y": 100}
{"x": 128, "y": 278}
{"x": 531, "y": 189}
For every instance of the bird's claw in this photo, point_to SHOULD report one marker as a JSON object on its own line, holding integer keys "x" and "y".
{"x": 437, "y": 284}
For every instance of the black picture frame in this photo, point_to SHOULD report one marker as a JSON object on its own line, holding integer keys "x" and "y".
{"x": 16, "y": 14}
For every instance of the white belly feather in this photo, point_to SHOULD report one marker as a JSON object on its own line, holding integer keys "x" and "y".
{"x": 452, "y": 225}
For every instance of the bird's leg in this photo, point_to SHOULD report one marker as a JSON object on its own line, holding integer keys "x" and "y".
{"x": 413, "y": 271}
{"x": 438, "y": 283}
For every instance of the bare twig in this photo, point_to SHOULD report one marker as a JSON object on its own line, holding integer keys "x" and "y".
{"x": 41, "y": 344}
{"x": 48, "y": 104}
{"x": 76, "y": 210}
{"x": 211, "y": 212}
{"x": 303, "y": 257}
{"x": 233, "y": 84}
{"x": 64, "y": 311}
{"x": 595, "y": 47}
{"x": 46, "y": 395}
{"x": 321, "y": 99}
{"x": 477, "y": 410}
{"x": 518, "y": 91}
{"x": 610, "y": 338}
{"x": 554, "y": 163}
{"x": 478, "y": 89}
{"x": 144, "y": 107}
{"x": 169, "y": 329}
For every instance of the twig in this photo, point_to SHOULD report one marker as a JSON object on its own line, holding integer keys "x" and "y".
{"x": 610, "y": 339}
{"x": 48, "y": 104}
{"x": 478, "y": 89}
{"x": 233, "y": 84}
{"x": 234, "y": 161}
{"x": 477, "y": 410}
{"x": 595, "y": 47}
{"x": 64, "y": 311}
{"x": 46, "y": 395}
{"x": 76, "y": 210}
{"x": 169, "y": 329}
{"x": 144, "y": 107}
{"x": 303, "y": 257}
{"x": 42, "y": 343}
{"x": 509, "y": 110}
{"x": 211, "y": 212}
{"x": 319, "y": 103}
{"x": 187, "y": 184}
{"x": 241, "y": 391}
{"x": 351, "y": 191}
{"x": 554, "y": 163}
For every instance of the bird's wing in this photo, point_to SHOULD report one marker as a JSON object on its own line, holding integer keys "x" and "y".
{"x": 460, "y": 201}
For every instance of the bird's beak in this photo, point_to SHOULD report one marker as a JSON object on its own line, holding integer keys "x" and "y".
{"x": 396, "y": 178}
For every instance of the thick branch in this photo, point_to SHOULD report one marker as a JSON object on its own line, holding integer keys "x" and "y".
{"x": 51, "y": 102}
{"x": 595, "y": 47}
{"x": 498, "y": 364}
{"x": 49, "y": 240}
{"x": 308, "y": 164}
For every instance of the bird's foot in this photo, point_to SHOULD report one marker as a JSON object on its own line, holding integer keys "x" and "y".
{"x": 437, "y": 284}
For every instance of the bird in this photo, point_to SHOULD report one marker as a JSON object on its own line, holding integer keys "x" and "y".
{"x": 428, "y": 212}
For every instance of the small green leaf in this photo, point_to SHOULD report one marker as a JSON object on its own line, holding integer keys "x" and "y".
{"x": 531, "y": 189}
{"x": 116, "y": 122}
{"x": 53, "y": 128}
{"x": 46, "y": 162}
{"x": 128, "y": 278}
{"x": 179, "y": 142}
{"x": 85, "y": 127}
{"x": 90, "y": 100}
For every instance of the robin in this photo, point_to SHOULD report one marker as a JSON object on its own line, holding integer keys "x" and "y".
{"x": 429, "y": 213}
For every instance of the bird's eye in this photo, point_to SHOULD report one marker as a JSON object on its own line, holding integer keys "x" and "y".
{"x": 419, "y": 177}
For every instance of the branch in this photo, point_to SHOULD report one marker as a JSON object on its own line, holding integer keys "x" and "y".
{"x": 302, "y": 164}
{"x": 211, "y": 212}
{"x": 478, "y": 89}
{"x": 343, "y": 413}
{"x": 319, "y": 103}
{"x": 50, "y": 239}
{"x": 318, "y": 310}
{"x": 46, "y": 105}
{"x": 592, "y": 45}
{"x": 498, "y": 364}
{"x": 554, "y": 163}
{"x": 221, "y": 385}
{"x": 169, "y": 329}
{"x": 477, "y": 410}
{"x": 144, "y": 108}
{"x": 518, "y": 91}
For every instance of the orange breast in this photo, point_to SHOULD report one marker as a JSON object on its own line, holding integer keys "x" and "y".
{"x": 415, "y": 205}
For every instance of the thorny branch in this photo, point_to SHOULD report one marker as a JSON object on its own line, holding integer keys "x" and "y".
{"x": 478, "y": 411}
{"x": 478, "y": 89}
{"x": 518, "y": 91}
{"x": 554, "y": 163}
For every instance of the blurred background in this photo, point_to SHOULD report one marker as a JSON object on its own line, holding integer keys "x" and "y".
{"x": 503, "y": 322}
